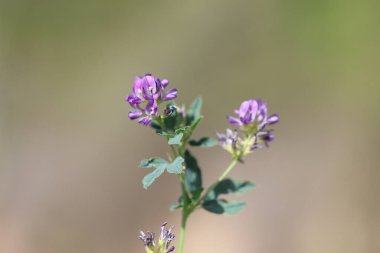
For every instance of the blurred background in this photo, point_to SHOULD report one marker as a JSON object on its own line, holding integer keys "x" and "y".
{"x": 69, "y": 155}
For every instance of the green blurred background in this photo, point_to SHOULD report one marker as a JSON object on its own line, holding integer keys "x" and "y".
{"x": 69, "y": 177}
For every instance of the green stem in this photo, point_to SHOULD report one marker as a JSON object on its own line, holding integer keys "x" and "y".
{"x": 228, "y": 170}
{"x": 182, "y": 230}
{"x": 225, "y": 173}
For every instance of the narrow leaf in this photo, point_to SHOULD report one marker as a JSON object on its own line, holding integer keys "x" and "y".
{"x": 194, "y": 111}
{"x": 204, "y": 142}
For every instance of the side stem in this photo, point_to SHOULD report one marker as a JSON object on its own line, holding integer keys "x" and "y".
{"x": 228, "y": 170}
{"x": 225, "y": 173}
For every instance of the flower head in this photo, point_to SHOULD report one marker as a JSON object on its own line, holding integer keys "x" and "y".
{"x": 252, "y": 115}
{"x": 147, "y": 93}
{"x": 163, "y": 244}
{"x": 252, "y": 119}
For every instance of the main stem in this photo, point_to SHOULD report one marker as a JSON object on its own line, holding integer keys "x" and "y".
{"x": 185, "y": 214}
{"x": 187, "y": 208}
{"x": 182, "y": 230}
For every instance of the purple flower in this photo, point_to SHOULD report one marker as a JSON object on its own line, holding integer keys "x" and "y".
{"x": 253, "y": 119}
{"x": 229, "y": 141}
{"x": 164, "y": 241}
{"x": 253, "y": 113}
{"x": 263, "y": 137}
{"x": 147, "y": 93}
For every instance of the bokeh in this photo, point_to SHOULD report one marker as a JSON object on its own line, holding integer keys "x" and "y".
{"x": 69, "y": 155}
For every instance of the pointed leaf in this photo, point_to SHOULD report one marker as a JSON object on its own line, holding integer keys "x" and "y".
{"x": 204, "y": 142}
{"x": 175, "y": 166}
{"x": 194, "y": 112}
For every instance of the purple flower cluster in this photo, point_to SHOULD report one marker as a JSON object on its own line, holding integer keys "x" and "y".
{"x": 163, "y": 244}
{"x": 148, "y": 92}
{"x": 253, "y": 113}
{"x": 252, "y": 119}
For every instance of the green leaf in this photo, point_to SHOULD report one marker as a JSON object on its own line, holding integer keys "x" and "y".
{"x": 228, "y": 185}
{"x": 221, "y": 206}
{"x": 204, "y": 142}
{"x": 160, "y": 165}
{"x": 195, "y": 123}
{"x": 176, "y": 136}
{"x": 156, "y": 162}
{"x": 193, "y": 175}
{"x": 165, "y": 133}
{"x": 197, "y": 194}
{"x": 151, "y": 177}
{"x": 176, "y": 139}
{"x": 194, "y": 111}
{"x": 155, "y": 124}
{"x": 175, "y": 166}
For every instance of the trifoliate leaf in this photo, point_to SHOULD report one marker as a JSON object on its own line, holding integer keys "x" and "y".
{"x": 160, "y": 165}
{"x": 204, "y": 142}
{"x": 175, "y": 137}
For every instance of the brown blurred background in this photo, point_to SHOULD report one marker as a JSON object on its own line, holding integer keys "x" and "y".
{"x": 69, "y": 176}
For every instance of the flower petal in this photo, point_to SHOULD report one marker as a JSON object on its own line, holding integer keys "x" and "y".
{"x": 273, "y": 119}
{"x": 164, "y": 83}
{"x": 171, "y": 94}
{"x": 234, "y": 121}
{"x": 145, "y": 120}
{"x": 138, "y": 87}
{"x": 151, "y": 108}
{"x": 133, "y": 100}
{"x": 134, "y": 114}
